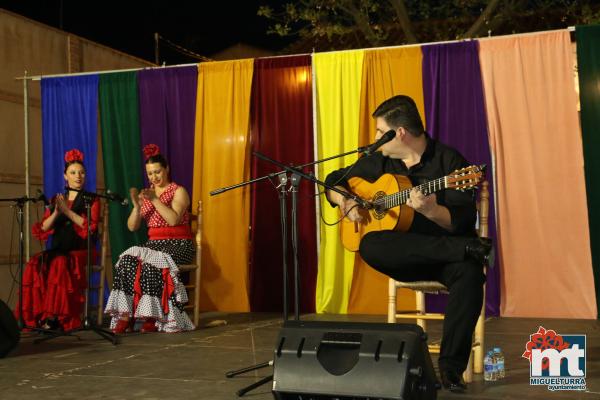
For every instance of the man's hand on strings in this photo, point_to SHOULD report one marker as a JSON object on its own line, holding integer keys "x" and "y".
{"x": 425, "y": 205}
{"x": 350, "y": 209}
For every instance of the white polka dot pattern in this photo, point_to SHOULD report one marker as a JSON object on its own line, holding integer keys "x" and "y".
{"x": 152, "y": 216}
{"x": 153, "y": 258}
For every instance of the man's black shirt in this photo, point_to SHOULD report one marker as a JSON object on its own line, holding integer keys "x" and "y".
{"x": 437, "y": 160}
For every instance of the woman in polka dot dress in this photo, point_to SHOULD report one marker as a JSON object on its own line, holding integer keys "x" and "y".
{"x": 146, "y": 280}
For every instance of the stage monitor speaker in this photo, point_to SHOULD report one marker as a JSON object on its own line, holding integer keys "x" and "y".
{"x": 9, "y": 331}
{"x": 343, "y": 360}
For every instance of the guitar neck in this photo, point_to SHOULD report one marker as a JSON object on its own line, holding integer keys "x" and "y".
{"x": 400, "y": 198}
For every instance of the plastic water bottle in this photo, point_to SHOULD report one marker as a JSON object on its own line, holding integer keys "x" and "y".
{"x": 489, "y": 373}
{"x": 500, "y": 372}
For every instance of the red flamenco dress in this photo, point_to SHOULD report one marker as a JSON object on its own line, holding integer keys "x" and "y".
{"x": 54, "y": 280}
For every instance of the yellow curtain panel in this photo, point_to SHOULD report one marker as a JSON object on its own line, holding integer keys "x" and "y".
{"x": 221, "y": 158}
{"x": 337, "y": 85}
{"x": 386, "y": 73}
{"x": 541, "y": 201}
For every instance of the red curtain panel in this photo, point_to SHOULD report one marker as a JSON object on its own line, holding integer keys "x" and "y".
{"x": 282, "y": 129}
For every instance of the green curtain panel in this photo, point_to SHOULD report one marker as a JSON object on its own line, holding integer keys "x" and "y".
{"x": 588, "y": 60}
{"x": 122, "y": 153}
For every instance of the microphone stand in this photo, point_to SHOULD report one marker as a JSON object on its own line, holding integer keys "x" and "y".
{"x": 87, "y": 323}
{"x": 296, "y": 174}
{"x": 295, "y": 179}
{"x": 20, "y": 203}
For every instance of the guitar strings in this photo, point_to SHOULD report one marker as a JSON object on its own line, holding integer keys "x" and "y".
{"x": 401, "y": 197}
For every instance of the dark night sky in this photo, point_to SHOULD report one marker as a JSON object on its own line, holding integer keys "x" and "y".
{"x": 204, "y": 27}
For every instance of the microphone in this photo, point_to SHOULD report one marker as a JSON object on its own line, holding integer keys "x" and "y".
{"x": 370, "y": 149}
{"x": 42, "y": 197}
{"x": 117, "y": 197}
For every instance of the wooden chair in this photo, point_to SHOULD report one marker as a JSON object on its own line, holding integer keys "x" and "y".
{"x": 421, "y": 287}
{"x": 104, "y": 265}
{"x": 195, "y": 270}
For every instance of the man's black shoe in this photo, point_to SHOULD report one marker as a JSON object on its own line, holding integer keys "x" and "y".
{"x": 453, "y": 381}
{"x": 482, "y": 251}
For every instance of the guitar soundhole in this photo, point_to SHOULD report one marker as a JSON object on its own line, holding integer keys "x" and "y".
{"x": 378, "y": 211}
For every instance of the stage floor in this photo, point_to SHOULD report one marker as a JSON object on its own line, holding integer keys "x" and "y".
{"x": 192, "y": 365}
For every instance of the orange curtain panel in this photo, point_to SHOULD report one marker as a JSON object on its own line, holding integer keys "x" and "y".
{"x": 386, "y": 73}
{"x": 220, "y": 159}
{"x": 541, "y": 201}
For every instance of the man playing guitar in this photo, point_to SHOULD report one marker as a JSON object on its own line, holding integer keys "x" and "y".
{"x": 439, "y": 243}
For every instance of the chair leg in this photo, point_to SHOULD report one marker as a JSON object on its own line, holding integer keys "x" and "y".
{"x": 479, "y": 337}
{"x": 478, "y": 350}
{"x": 197, "y": 297}
{"x": 420, "y": 298}
{"x": 468, "y": 374}
{"x": 391, "y": 301}
{"x": 101, "y": 298}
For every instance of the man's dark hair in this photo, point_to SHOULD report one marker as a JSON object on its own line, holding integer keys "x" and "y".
{"x": 401, "y": 111}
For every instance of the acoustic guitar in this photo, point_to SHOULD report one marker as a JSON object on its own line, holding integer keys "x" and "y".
{"x": 387, "y": 197}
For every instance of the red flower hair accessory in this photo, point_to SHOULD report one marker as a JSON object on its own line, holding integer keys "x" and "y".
{"x": 74, "y": 155}
{"x": 151, "y": 150}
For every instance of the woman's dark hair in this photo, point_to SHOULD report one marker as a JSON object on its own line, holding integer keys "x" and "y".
{"x": 158, "y": 158}
{"x": 401, "y": 111}
{"x": 69, "y": 163}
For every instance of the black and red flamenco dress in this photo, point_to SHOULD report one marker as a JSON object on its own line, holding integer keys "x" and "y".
{"x": 54, "y": 280}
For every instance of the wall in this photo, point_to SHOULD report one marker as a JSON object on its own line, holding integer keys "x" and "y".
{"x": 26, "y": 45}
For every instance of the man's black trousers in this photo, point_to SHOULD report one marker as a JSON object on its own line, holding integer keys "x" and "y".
{"x": 415, "y": 257}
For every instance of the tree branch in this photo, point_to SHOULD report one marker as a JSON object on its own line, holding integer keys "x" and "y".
{"x": 403, "y": 19}
{"x": 361, "y": 21}
{"x": 485, "y": 15}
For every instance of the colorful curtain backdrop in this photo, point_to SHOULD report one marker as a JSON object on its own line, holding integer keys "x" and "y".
{"x": 69, "y": 120}
{"x": 542, "y": 221}
{"x": 588, "y": 61}
{"x": 282, "y": 129}
{"x": 120, "y": 124}
{"x": 167, "y": 117}
{"x": 455, "y": 109}
{"x": 386, "y": 73}
{"x": 221, "y": 158}
{"x": 337, "y": 85}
